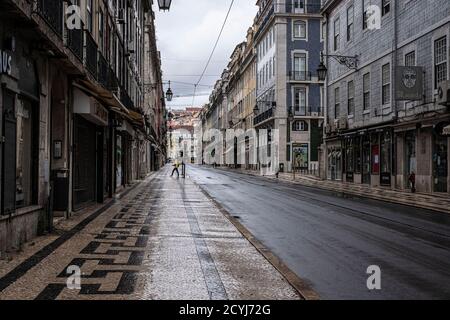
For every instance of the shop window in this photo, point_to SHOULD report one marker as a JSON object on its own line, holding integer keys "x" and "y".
{"x": 385, "y": 162}
{"x": 25, "y": 153}
{"x": 358, "y": 158}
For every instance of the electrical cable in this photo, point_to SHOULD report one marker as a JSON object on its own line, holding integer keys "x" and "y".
{"x": 213, "y": 50}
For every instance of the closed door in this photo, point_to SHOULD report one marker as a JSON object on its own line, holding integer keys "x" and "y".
{"x": 440, "y": 160}
{"x": 85, "y": 163}
{"x": 8, "y": 196}
{"x": 366, "y": 163}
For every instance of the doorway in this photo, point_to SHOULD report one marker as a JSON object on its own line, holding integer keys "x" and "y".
{"x": 440, "y": 164}
{"x": 366, "y": 155}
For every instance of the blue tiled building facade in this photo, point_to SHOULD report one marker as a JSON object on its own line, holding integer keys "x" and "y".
{"x": 288, "y": 43}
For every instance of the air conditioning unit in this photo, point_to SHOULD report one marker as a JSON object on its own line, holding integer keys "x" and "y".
{"x": 443, "y": 93}
{"x": 343, "y": 124}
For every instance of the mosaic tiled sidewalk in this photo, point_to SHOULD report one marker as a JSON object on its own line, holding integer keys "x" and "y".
{"x": 164, "y": 240}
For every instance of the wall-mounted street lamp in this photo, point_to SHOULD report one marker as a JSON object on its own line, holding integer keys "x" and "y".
{"x": 256, "y": 110}
{"x": 169, "y": 94}
{"x": 350, "y": 62}
{"x": 164, "y": 5}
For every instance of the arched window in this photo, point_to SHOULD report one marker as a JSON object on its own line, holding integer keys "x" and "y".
{"x": 300, "y": 125}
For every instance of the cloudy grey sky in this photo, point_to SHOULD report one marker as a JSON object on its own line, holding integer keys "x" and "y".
{"x": 186, "y": 35}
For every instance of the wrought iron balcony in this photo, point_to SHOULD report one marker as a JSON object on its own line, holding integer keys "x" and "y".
{"x": 113, "y": 83}
{"x": 300, "y": 75}
{"x": 125, "y": 99}
{"x": 102, "y": 75}
{"x": 311, "y": 8}
{"x": 52, "y": 11}
{"x": 75, "y": 41}
{"x": 310, "y": 111}
{"x": 91, "y": 54}
{"x": 263, "y": 116}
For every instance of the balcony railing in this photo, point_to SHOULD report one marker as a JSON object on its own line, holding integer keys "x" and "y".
{"x": 125, "y": 99}
{"x": 75, "y": 41}
{"x": 263, "y": 116}
{"x": 102, "y": 75}
{"x": 311, "y": 8}
{"x": 300, "y": 75}
{"x": 91, "y": 54}
{"x": 52, "y": 12}
{"x": 113, "y": 83}
{"x": 311, "y": 111}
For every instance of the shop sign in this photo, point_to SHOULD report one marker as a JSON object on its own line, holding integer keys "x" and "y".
{"x": 5, "y": 62}
{"x": 446, "y": 131}
{"x": 409, "y": 83}
{"x": 100, "y": 112}
{"x": 90, "y": 108}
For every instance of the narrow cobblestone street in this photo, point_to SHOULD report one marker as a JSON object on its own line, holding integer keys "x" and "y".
{"x": 163, "y": 240}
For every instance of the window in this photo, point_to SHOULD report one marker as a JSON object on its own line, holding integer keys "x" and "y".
{"x": 101, "y": 30}
{"x": 386, "y": 6}
{"x": 337, "y": 104}
{"x": 366, "y": 91}
{"x": 336, "y": 34}
{"x": 273, "y": 69}
{"x": 410, "y": 59}
{"x": 300, "y": 101}
{"x": 365, "y": 15}
{"x": 351, "y": 98}
{"x": 300, "y": 66}
{"x": 270, "y": 69}
{"x": 350, "y": 16}
{"x": 300, "y": 126}
{"x": 300, "y": 29}
{"x": 89, "y": 15}
{"x": 299, "y": 6}
{"x": 440, "y": 61}
{"x": 386, "y": 84}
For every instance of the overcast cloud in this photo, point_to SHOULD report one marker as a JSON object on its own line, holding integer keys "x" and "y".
{"x": 186, "y": 36}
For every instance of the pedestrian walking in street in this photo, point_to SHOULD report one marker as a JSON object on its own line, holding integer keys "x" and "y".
{"x": 176, "y": 165}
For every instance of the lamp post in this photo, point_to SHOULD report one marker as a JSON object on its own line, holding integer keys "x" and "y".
{"x": 164, "y": 5}
{"x": 290, "y": 119}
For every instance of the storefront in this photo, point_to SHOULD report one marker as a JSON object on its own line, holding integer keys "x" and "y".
{"x": 440, "y": 157}
{"x": 334, "y": 160}
{"x": 123, "y": 154}
{"x": 363, "y": 157}
{"x": 90, "y": 156}
{"x": 20, "y": 132}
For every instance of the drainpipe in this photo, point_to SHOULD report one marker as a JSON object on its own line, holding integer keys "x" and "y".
{"x": 395, "y": 102}
{"x": 394, "y": 64}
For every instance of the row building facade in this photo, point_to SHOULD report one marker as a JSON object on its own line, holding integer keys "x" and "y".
{"x": 76, "y": 125}
{"x": 387, "y": 115}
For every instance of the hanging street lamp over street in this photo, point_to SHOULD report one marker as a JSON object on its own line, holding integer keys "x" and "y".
{"x": 169, "y": 94}
{"x": 164, "y": 4}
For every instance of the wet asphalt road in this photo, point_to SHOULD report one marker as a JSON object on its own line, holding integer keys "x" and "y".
{"x": 329, "y": 240}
